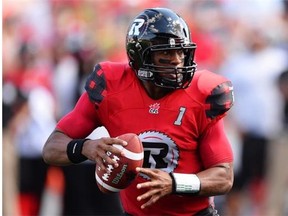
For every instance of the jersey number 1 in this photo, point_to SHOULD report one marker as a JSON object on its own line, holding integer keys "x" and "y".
{"x": 180, "y": 116}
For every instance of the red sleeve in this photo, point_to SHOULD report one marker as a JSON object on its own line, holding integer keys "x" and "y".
{"x": 81, "y": 121}
{"x": 214, "y": 146}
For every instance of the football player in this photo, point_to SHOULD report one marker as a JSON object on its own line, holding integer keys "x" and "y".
{"x": 176, "y": 111}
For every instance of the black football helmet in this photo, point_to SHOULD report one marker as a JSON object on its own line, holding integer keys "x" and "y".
{"x": 160, "y": 29}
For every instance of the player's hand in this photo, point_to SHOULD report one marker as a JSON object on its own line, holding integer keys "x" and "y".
{"x": 160, "y": 185}
{"x": 96, "y": 150}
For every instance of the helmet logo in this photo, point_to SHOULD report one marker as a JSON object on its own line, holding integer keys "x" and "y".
{"x": 172, "y": 42}
{"x": 135, "y": 28}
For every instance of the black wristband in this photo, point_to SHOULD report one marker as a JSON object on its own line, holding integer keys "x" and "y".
{"x": 173, "y": 183}
{"x": 74, "y": 151}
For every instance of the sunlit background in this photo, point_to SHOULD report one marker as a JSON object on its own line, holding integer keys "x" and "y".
{"x": 50, "y": 46}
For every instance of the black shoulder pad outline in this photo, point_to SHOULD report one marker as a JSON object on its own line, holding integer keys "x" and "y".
{"x": 96, "y": 85}
{"x": 220, "y": 100}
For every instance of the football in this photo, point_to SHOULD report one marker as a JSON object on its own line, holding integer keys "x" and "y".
{"x": 114, "y": 179}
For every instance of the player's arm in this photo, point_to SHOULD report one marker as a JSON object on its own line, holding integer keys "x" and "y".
{"x": 67, "y": 143}
{"x": 56, "y": 150}
{"x": 214, "y": 147}
{"x": 217, "y": 157}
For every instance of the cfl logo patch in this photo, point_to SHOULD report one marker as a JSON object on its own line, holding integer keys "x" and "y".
{"x": 136, "y": 26}
{"x": 154, "y": 108}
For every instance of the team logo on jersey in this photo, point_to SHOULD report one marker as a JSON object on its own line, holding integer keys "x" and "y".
{"x": 154, "y": 108}
{"x": 160, "y": 151}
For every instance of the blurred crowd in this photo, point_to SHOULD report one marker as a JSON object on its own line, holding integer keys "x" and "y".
{"x": 50, "y": 46}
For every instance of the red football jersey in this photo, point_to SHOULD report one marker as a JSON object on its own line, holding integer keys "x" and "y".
{"x": 181, "y": 132}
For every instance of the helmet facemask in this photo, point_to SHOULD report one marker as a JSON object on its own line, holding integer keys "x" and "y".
{"x": 174, "y": 77}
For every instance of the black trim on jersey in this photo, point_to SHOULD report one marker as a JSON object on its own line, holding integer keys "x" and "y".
{"x": 221, "y": 100}
{"x": 96, "y": 84}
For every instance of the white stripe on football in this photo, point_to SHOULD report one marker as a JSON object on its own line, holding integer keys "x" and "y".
{"x": 129, "y": 154}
